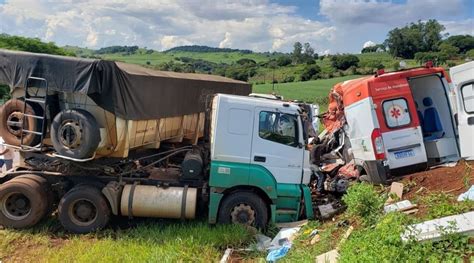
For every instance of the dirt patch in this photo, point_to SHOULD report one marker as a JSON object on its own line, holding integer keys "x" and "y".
{"x": 452, "y": 180}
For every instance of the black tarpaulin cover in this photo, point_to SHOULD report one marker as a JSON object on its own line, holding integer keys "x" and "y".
{"x": 129, "y": 91}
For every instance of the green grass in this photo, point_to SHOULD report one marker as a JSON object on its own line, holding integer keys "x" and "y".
{"x": 307, "y": 91}
{"x": 149, "y": 242}
{"x": 157, "y": 58}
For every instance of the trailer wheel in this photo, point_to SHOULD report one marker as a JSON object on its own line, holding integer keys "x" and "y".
{"x": 75, "y": 133}
{"x": 11, "y": 115}
{"x": 23, "y": 203}
{"x": 83, "y": 209}
{"x": 50, "y": 196}
{"x": 244, "y": 208}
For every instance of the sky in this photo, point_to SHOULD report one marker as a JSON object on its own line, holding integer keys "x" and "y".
{"x": 330, "y": 26}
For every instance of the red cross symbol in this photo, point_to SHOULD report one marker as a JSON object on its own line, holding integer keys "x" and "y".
{"x": 395, "y": 113}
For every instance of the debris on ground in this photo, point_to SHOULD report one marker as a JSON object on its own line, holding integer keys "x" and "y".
{"x": 402, "y": 206}
{"x": 292, "y": 224}
{"x": 436, "y": 228}
{"x": 314, "y": 237}
{"x": 280, "y": 252}
{"x": 469, "y": 195}
{"x": 333, "y": 255}
{"x": 226, "y": 256}
{"x": 282, "y": 243}
{"x": 396, "y": 192}
{"x": 263, "y": 242}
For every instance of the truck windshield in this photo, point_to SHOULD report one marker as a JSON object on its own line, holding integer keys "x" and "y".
{"x": 278, "y": 127}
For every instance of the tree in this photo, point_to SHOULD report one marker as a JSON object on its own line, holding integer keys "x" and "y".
{"x": 344, "y": 61}
{"x": 296, "y": 55}
{"x": 283, "y": 61}
{"x": 463, "y": 42}
{"x": 448, "y": 49}
{"x": 308, "y": 53}
{"x": 417, "y": 37}
{"x": 371, "y": 49}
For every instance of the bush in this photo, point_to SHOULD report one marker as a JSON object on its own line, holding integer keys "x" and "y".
{"x": 438, "y": 58}
{"x": 283, "y": 61}
{"x": 396, "y": 65}
{"x": 364, "y": 202}
{"x": 290, "y": 78}
{"x": 345, "y": 61}
{"x": 470, "y": 54}
{"x": 309, "y": 72}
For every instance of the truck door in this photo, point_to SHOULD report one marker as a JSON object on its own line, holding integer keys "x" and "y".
{"x": 463, "y": 80}
{"x": 277, "y": 145}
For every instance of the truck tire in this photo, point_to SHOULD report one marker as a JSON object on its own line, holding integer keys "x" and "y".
{"x": 12, "y": 111}
{"x": 245, "y": 208}
{"x": 83, "y": 209}
{"x": 75, "y": 133}
{"x": 50, "y": 196}
{"x": 23, "y": 203}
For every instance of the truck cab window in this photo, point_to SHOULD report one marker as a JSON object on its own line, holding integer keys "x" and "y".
{"x": 278, "y": 127}
{"x": 396, "y": 113}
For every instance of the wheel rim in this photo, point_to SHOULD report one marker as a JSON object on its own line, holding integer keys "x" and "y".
{"x": 243, "y": 214}
{"x": 70, "y": 134}
{"x": 16, "y": 206}
{"x": 82, "y": 212}
{"x": 14, "y": 123}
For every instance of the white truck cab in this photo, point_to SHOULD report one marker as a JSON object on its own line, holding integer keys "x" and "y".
{"x": 259, "y": 143}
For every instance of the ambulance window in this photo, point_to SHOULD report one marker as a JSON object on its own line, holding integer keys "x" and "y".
{"x": 467, "y": 92}
{"x": 396, "y": 113}
{"x": 278, "y": 127}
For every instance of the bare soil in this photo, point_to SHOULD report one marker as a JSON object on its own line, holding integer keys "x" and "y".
{"x": 452, "y": 180}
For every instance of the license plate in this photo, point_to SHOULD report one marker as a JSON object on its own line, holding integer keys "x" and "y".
{"x": 404, "y": 154}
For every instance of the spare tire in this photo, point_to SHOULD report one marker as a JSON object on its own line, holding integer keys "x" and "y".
{"x": 75, "y": 133}
{"x": 11, "y": 115}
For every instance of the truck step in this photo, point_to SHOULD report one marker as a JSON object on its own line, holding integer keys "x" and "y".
{"x": 286, "y": 212}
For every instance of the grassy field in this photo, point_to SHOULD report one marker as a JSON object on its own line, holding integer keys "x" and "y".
{"x": 150, "y": 241}
{"x": 307, "y": 91}
{"x": 156, "y": 58}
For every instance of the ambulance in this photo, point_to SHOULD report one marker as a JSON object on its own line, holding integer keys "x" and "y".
{"x": 405, "y": 121}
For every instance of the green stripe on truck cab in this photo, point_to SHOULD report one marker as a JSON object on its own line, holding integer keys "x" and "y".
{"x": 285, "y": 198}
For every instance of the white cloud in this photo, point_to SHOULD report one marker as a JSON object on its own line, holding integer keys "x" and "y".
{"x": 465, "y": 27}
{"x": 258, "y": 25}
{"x": 369, "y": 44}
{"x": 161, "y": 24}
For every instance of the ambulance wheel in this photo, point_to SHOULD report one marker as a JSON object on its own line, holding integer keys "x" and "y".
{"x": 23, "y": 203}
{"x": 11, "y": 116}
{"x": 75, "y": 134}
{"x": 83, "y": 209}
{"x": 244, "y": 208}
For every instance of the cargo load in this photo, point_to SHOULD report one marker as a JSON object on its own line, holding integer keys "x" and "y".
{"x": 94, "y": 107}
